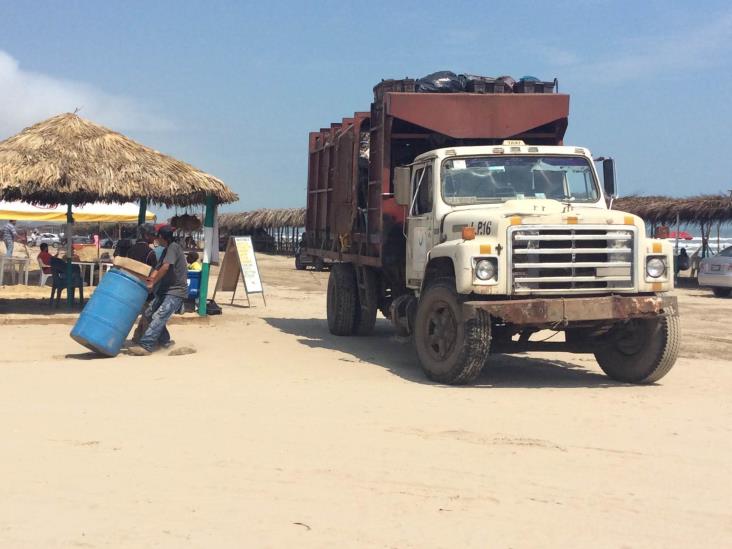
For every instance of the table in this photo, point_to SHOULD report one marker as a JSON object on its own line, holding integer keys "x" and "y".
{"x": 82, "y": 266}
{"x": 103, "y": 269}
{"x": 21, "y": 262}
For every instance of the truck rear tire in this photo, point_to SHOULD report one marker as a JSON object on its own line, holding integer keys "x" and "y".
{"x": 366, "y": 313}
{"x": 451, "y": 349}
{"x": 298, "y": 263}
{"x": 342, "y": 299}
{"x": 722, "y": 292}
{"x": 641, "y": 351}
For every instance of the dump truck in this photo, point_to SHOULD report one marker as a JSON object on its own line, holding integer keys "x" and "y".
{"x": 469, "y": 224}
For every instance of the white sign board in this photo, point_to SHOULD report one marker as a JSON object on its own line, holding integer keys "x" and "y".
{"x": 239, "y": 260}
{"x": 248, "y": 262}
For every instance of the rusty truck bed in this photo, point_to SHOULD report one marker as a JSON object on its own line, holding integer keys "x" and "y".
{"x": 351, "y": 212}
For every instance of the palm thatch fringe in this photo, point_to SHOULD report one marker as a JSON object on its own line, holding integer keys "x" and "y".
{"x": 705, "y": 209}
{"x": 69, "y": 159}
{"x": 262, "y": 219}
{"x": 272, "y": 230}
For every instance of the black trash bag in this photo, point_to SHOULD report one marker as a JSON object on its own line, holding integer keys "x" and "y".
{"x": 476, "y": 78}
{"x": 479, "y": 84}
{"x": 441, "y": 82}
{"x": 508, "y": 81}
{"x": 213, "y": 308}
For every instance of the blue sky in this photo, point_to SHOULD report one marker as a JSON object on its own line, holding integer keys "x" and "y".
{"x": 235, "y": 87}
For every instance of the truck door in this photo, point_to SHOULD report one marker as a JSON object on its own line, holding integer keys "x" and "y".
{"x": 419, "y": 224}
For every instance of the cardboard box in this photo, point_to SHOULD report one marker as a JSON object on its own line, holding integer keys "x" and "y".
{"x": 140, "y": 270}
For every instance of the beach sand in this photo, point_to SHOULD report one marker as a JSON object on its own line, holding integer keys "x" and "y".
{"x": 277, "y": 434}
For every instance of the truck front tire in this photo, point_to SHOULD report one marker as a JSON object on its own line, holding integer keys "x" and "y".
{"x": 342, "y": 299}
{"x": 451, "y": 349}
{"x": 641, "y": 351}
{"x": 366, "y": 312}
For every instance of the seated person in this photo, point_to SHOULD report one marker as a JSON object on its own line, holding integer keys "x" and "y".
{"x": 45, "y": 258}
{"x": 194, "y": 264}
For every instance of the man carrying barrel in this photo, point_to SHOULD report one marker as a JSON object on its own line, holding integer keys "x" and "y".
{"x": 169, "y": 284}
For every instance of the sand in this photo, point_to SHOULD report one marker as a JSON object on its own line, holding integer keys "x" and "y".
{"x": 277, "y": 434}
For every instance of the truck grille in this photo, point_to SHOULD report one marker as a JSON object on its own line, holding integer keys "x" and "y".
{"x": 580, "y": 259}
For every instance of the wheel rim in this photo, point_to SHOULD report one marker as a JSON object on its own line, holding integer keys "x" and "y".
{"x": 441, "y": 331}
{"x": 632, "y": 339}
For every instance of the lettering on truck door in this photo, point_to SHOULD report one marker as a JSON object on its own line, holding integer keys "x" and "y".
{"x": 419, "y": 224}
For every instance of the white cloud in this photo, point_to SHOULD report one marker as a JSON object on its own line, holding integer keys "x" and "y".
{"x": 27, "y": 97}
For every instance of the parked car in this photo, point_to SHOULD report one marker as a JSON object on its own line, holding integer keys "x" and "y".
{"x": 51, "y": 239}
{"x": 716, "y": 273}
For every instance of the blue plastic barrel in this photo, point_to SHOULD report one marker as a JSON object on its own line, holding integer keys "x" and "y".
{"x": 194, "y": 283}
{"x": 110, "y": 313}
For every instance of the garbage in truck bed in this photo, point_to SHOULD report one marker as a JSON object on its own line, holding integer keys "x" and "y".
{"x": 450, "y": 82}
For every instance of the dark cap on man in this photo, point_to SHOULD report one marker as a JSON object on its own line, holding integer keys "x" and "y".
{"x": 166, "y": 232}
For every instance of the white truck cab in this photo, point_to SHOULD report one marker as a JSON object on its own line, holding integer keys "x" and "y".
{"x": 526, "y": 220}
{"x": 503, "y": 241}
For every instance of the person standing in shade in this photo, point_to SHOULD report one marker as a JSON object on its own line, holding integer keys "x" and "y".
{"x": 141, "y": 250}
{"x": 10, "y": 235}
{"x": 169, "y": 283}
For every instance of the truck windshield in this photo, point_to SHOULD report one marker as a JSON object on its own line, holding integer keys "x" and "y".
{"x": 480, "y": 179}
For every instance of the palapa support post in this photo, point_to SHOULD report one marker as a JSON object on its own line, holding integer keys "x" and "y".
{"x": 69, "y": 256}
{"x": 143, "y": 211}
{"x": 208, "y": 223}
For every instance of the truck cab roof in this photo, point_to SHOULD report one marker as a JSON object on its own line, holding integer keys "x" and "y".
{"x": 505, "y": 149}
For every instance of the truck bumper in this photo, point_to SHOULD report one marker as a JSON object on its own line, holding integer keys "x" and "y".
{"x": 561, "y": 311}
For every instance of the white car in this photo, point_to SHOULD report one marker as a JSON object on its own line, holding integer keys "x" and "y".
{"x": 716, "y": 273}
{"x": 51, "y": 239}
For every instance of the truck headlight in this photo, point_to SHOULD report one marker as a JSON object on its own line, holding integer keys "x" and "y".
{"x": 486, "y": 269}
{"x": 655, "y": 267}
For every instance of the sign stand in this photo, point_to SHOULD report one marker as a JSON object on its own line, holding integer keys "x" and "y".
{"x": 239, "y": 259}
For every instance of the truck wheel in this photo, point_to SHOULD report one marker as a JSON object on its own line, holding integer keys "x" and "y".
{"x": 342, "y": 299}
{"x": 366, "y": 313}
{"x": 641, "y": 351}
{"x": 451, "y": 349}
{"x": 298, "y": 263}
{"x": 722, "y": 292}
{"x": 319, "y": 264}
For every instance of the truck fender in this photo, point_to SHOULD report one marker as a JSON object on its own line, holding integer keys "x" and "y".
{"x": 437, "y": 267}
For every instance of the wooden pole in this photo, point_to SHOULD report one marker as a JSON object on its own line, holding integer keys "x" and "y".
{"x": 208, "y": 244}
{"x": 69, "y": 256}
{"x": 141, "y": 216}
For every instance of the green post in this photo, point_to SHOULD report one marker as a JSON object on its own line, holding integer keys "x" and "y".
{"x": 69, "y": 256}
{"x": 208, "y": 244}
{"x": 143, "y": 212}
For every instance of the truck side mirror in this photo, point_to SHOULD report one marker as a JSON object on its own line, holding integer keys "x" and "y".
{"x": 608, "y": 176}
{"x": 403, "y": 186}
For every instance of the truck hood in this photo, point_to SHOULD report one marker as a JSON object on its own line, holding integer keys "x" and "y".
{"x": 487, "y": 218}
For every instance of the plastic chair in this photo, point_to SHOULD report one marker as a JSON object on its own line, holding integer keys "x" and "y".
{"x": 44, "y": 276}
{"x": 58, "y": 273}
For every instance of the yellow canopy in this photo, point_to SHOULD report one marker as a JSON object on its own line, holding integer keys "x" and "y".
{"x": 95, "y": 212}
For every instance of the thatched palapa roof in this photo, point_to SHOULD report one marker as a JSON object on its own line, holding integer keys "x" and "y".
{"x": 67, "y": 158}
{"x": 694, "y": 209}
{"x": 262, "y": 219}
